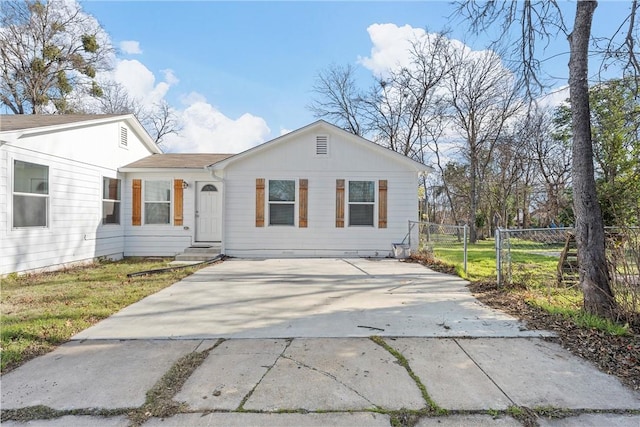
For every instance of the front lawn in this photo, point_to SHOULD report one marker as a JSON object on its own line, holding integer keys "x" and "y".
{"x": 41, "y": 311}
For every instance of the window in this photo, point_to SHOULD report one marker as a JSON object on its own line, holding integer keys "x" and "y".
{"x": 361, "y": 202}
{"x": 282, "y": 198}
{"x": 157, "y": 202}
{"x": 30, "y": 194}
{"x": 110, "y": 201}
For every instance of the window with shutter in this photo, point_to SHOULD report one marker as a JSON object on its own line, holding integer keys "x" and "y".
{"x": 361, "y": 202}
{"x": 157, "y": 202}
{"x": 282, "y": 202}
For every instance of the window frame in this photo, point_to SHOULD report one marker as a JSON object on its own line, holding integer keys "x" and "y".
{"x": 117, "y": 202}
{"x": 293, "y": 203}
{"x": 146, "y": 202}
{"x": 373, "y": 203}
{"x": 30, "y": 194}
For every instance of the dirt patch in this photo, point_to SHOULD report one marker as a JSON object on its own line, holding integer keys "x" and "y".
{"x": 615, "y": 355}
{"x": 427, "y": 259}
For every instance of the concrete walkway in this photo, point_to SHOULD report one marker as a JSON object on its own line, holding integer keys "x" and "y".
{"x": 454, "y": 363}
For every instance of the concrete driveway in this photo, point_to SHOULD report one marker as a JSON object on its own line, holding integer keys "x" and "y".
{"x": 293, "y": 298}
{"x": 312, "y": 360}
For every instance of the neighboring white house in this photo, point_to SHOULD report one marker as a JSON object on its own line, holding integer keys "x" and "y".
{"x": 317, "y": 191}
{"x": 60, "y": 190}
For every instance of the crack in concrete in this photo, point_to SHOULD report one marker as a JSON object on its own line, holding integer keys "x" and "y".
{"x": 244, "y": 400}
{"x": 484, "y": 372}
{"x": 333, "y": 377}
{"x": 356, "y": 267}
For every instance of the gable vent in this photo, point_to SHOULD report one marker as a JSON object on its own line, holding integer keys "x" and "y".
{"x": 322, "y": 145}
{"x": 123, "y": 136}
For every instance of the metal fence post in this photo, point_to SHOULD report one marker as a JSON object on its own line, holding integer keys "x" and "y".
{"x": 498, "y": 260}
{"x": 465, "y": 249}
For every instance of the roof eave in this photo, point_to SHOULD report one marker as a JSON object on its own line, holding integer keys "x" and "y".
{"x": 162, "y": 170}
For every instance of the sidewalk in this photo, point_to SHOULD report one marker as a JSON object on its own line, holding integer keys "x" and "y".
{"x": 217, "y": 364}
{"x": 325, "y": 381}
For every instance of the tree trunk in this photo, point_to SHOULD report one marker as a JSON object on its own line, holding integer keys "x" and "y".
{"x": 590, "y": 238}
{"x": 473, "y": 208}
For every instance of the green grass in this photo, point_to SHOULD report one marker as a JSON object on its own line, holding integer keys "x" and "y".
{"x": 533, "y": 277}
{"x": 481, "y": 258}
{"x": 582, "y": 319}
{"x": 44, "y": 310}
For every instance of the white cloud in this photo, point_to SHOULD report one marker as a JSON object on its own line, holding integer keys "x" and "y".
{"x": 391, "y": 45}
{"x": 554, "y": 99}
{"x": 207, "y": 130}
{"x": 204, "y": 128}
{"x": 170, "y": 77}
{"x": 130, "y": 47}
{"x": 140, "y": 82}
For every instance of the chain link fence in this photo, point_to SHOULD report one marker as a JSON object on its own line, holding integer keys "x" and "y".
{"x": 440, "y": 239}
{"x": 527, "y": 256}
{"x": 549, "y": 256}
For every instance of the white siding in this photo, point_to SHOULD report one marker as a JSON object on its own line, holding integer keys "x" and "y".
{"x": 161, "y": 240}
{"x": 297, "y": 159}
{"x": 77, "y": 159}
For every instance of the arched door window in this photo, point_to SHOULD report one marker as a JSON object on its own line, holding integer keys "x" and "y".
{"x": 209, "y": 187}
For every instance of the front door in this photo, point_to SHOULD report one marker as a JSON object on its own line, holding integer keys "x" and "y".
{"x": 208, "y": 212}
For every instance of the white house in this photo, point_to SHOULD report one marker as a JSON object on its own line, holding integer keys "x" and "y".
{"x": 60, "y": 189}
{"x": 317, "y": 191}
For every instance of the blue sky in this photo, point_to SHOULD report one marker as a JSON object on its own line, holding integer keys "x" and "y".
{"x": 243, "y": 71}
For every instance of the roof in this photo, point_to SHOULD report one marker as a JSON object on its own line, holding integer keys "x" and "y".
{"x": 13, "y": 122}
{"x": 326, "y": 126}
{"x": 13, "y": 127}
{"x": 177, "y": 160}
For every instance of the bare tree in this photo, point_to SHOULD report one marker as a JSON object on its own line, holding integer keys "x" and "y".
{"x": 483, "y": 99}
{"x": 506, "y": 170}
{"x": 550, "y": 151}
{"x": 160, "y": 120}
{"x": 48, "y": 49}
{"x": 404, "y": 104}
{"x": 338, "y": 98}
{"x": 541, "y": 20}
{"x": 396, "y": 110}
{"x": 116, "y": 100}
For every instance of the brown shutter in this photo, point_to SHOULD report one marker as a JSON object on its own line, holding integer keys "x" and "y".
{"x": 136, "y": 205}
{"x": 339, "y": 203}
{"x": 382, "y": 203}
{"x": 260, "y": 202}
{"x": 304, "y": 189}
{"x": 177, "y": 202}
